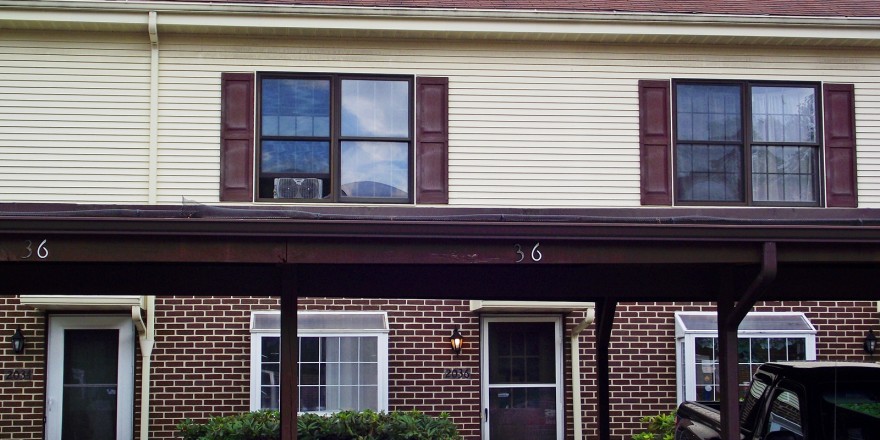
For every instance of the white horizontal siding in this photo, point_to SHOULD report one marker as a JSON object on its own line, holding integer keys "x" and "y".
{"x": 74, "y": 118}
{"x": 530, "y": 124}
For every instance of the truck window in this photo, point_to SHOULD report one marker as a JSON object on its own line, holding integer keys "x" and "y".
{"x": 753, "y": 400}
{"x": 785, "y": 415}
{"x": 851, "y": 410}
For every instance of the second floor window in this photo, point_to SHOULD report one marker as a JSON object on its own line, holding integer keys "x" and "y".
{"x": 335, "y": 138}
{"x": 747, "y": 143}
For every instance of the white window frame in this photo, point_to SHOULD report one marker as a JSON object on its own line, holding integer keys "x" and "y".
{"x": 258, "y": 334}
{"x": 685, "y": 350}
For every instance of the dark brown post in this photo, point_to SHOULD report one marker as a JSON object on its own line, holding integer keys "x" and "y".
{"x": 289, "y": 351}
{"x": 728, "y": 366}
{"x": 731, "y": 312}
{"x": 603, "y": 380}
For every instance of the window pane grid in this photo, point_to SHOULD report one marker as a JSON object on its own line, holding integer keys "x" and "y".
{"x": 709, "y": 172}
{"x": 335, "y": 375}
{"x": 784, "y": 173}
{"x": 752, "y": 352}
{"x": 776, "y": 135}
{"x": 344, "y": 138}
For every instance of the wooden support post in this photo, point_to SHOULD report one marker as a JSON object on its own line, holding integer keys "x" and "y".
{"x": 728, "y": 364}
{"x": 289, "y": 351}
{"x": 731, "y": 312}
{"x": 603, "y": 380}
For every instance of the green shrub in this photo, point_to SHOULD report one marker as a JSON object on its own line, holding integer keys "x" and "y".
{"x": 258, "y": 425}
{"x": 370, "y": 425}
{"x": 660, "y": 427}
{"x": 345, "y": 425}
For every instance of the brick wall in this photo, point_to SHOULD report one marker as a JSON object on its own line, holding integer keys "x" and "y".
{"x": 643, "y": 351}
{"x": 202, "y": 354}
{"x": 201, "y": 361}
{"x": 21, "y": 400}
{"x": 419, "y": 352}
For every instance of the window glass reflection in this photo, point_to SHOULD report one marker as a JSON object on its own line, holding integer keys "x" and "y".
{"x": 375, "y": 108}
{"x": 375, "y": 169}
{"x": 784, "y": 114}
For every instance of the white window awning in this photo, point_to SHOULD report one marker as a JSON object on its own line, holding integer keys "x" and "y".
{"x": 755, "y": 322}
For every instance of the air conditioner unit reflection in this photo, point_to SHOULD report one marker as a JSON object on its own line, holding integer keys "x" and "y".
{"x": 298, "y": 188}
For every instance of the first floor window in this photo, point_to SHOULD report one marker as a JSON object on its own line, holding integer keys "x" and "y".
{"x": 342, "y": 361}
{"x": 747, "y": 143}
{"x": 335, "y": 137}
{"x": 762, "y": 337}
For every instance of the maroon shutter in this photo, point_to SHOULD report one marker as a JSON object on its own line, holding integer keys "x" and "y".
{"x": 432, "y": 140}
{"x": 655, "y": 142}
{"x": 840, "y": 145}
{"x": 237, "y": 137}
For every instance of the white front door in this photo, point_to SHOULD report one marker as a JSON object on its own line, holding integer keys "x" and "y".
{"x": 522, "y": 387}
{"x": 90, "y": 378}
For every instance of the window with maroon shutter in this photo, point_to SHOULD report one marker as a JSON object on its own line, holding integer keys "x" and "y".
{"x": 840, "y": 145}
{"x": 432, "y": 135}
{"x": 654, "y": 140}
{"x": 748, "y": 143}
{"x": 334, "y": 138}
{"x": 237, "y": 137}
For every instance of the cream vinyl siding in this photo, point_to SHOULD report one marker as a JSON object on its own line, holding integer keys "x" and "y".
{"x": 531, "y": 124}
{"x": 73, "y": 117}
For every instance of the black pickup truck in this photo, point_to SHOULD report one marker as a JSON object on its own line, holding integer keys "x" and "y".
{"x": 797, "y": 401}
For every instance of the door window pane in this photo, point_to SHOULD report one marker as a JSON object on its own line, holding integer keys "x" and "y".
{"x": 522, "y": 413}
{"x": 90, "y": 384}
{"x": 522, "y": 352}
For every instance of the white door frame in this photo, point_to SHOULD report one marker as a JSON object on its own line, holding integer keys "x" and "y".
{"x": 484, "y": 366}
{"x": 55, "y": 369}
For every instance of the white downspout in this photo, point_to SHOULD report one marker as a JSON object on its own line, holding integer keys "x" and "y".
{"x": 146, "y": 336}
{"x": 576, "y": 372}
{"x": 153, "y": 165}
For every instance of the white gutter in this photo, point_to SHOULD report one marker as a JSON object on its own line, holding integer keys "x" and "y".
{"x": 153, "y": 164}
{"x": 147, "y": 337}
{"x": 576, "y": 372}
{"x": 450, "y": 23}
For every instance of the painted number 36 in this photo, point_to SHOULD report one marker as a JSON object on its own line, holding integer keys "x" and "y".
{"x": 536, "y": 254}
{"x": 42, "y": 252}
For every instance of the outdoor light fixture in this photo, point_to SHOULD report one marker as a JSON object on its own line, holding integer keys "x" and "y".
{"x": 456, "y": 340}
{"x": 18, "y": 342}
{"x": 870, "y": 343}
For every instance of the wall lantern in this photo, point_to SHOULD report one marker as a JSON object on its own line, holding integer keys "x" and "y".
{"x": 870, "y": 343}
{"x": 18, "y": 342}
{"x": 456, "y": 340}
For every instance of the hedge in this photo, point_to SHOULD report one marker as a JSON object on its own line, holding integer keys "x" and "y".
{"x": 345, "y": 425}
